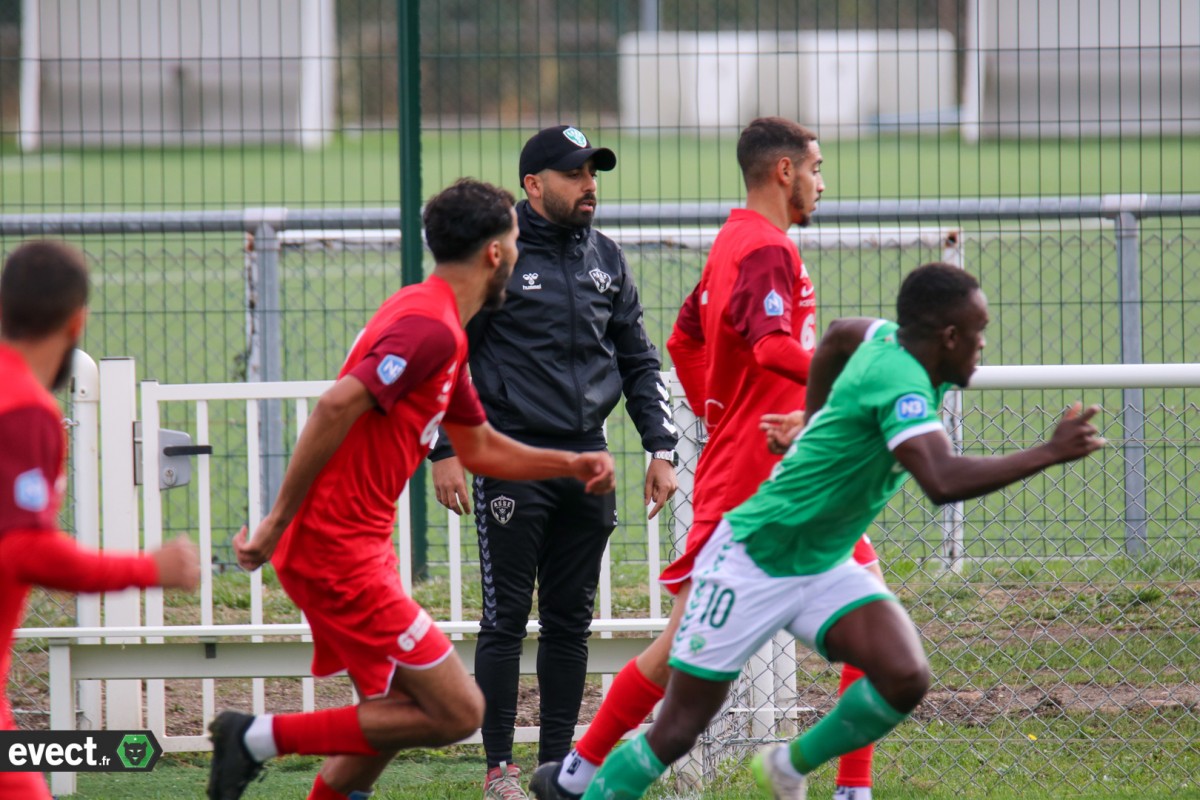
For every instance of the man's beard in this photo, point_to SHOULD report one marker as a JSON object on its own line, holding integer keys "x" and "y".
{"x": 497, "y": 288}
{"x": 560, "y": 212}
{"x": 63, "y": 376}
{"x": 796, "y": 202}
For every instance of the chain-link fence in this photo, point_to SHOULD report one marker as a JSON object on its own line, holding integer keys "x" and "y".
{"x": 132, "y": 106}
{"x": 1055, "y": 627}
{"x": 1050, "y": 645}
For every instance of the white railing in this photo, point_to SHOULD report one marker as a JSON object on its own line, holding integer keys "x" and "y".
{"x": 123, "y": 623}
{"x": 153, "y": 398}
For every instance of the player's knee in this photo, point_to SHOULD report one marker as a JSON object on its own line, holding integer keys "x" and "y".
{"x": 672, "y": 742}
{"x": 909, "y": 684}
{"x": 572, "y": 627}
{"x": 506, "y": 628}
{"x": 653, "y": 663}
{"x": 466, "y": 714}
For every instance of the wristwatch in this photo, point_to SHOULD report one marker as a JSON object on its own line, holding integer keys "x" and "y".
{"x": 666, "y": 455}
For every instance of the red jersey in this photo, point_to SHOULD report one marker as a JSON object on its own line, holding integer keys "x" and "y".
{"x": 754, "y": 285}
{"x": 33, "y": 552}
{"x": 412, "y": 357}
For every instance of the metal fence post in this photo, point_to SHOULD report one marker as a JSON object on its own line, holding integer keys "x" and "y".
{"x": 408, "y": 15}
{"x": 265, "y": 362}
{"x": 85, "y": 454}
{"x": 953, "y": 520}
{"x": 119, "y": 523}
{"x": 1133, "y": 415}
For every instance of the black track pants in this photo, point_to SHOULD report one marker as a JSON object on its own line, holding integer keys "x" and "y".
{"x": 553, "y": 534}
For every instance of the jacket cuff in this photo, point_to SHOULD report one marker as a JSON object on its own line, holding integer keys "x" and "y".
{"x": 660, "y": 443}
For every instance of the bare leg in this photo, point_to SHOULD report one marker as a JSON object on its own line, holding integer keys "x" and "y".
{"x": 688, "y": 707}
{"x": 882, "y": 641}
{"x": 653, "y": 660}
{"x": 449, "y": 708}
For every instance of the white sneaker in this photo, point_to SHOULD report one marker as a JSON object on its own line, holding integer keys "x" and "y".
{"x": 775, "y": 783}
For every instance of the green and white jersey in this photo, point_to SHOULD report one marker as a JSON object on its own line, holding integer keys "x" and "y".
{"x": 840, "y": 472}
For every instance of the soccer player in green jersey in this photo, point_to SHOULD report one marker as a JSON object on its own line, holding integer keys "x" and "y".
{"x": 782, "y": 558}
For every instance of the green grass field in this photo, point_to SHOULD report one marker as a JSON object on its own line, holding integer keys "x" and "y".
{"x": 364, "y": 170}
{"x": 1043, "y": 619}
{"x": 1068, "y": 728}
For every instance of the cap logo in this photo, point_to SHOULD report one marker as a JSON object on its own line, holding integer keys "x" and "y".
{"x": 575, "y": 137}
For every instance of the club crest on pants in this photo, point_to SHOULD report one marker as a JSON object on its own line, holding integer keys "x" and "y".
{"x": 502, "y": 509}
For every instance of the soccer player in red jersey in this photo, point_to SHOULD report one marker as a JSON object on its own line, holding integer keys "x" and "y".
{"x": 329, "y": 533}
{"x": 741, "y": 346}
{"x": 43, "y": 305}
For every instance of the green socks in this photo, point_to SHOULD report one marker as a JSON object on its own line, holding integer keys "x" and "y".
{"x": 862, "y": 716}
{"x": 627, "y": 772}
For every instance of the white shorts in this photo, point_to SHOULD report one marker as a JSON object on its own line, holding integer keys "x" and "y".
{"x": 735, "y": 607}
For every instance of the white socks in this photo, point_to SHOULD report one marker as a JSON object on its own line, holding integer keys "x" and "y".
{"x": 783, "y": 762}
{"x": 852, "y": 793}
{"x": 576, "y": 773}
{"x": 260, "y": 738}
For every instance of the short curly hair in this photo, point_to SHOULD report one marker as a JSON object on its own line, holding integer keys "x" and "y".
{"x": 42, "y": 285}
{"x": 931, "y": 295}
{"x": 464, "y": 217}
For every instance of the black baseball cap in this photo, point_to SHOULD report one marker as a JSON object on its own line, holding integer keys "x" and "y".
{"x": 563, "y": 147}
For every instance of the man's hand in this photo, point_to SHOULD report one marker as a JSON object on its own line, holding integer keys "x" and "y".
{"x": 661, "y": 484}
{"x": 257, "y": 551}
{"x": 1075, "y": 436}
{"x": 596, "y": 472}
{"x": 450, "y": 484}
{"x": 781, "y": 430}
{"x": 178, "y": 564}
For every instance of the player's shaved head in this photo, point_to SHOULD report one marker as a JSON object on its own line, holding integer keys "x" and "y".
{"x": 464, "y": 217}
{"x": 43, "y": 285}
{"x": 932, "y": 297}
{"x": 765, "y": 141}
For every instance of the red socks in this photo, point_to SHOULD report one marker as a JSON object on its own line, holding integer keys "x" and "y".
{"x": 322, "y": 791}
{"x": 854, "y": 769}
{"x": 629, "y": 701}
{"x": 331, "y": 732}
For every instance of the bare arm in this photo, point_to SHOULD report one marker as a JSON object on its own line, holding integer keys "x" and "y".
{"x": 485, "y": 451}
{"x": 335, "y": 413}
{"x": 947, "y": 477}
{"x": 840, "y": 341}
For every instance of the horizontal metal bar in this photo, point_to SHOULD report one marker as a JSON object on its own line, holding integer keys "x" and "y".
{"x": 278, "y": 659}
{"x": 283, "y": 390}
{"x": 651, "y": 624}
{"x": 522, "y": 734}
{"x": 610, "y": 214}
{"x": 1087, "y": 376}
{"x": 1042, "y": 376}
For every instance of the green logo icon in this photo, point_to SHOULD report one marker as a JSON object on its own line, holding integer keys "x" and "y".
{"x": 696, "y": 644}
{"x": 135, "y": 751}
{"x": 575, "y": 137}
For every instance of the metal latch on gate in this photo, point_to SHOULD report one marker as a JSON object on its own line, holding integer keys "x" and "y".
{"x": 174, "y": 457}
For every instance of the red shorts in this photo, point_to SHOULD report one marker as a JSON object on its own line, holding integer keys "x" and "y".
{"x": 366, "y": 625}
{"x": 23, "y": 786}
{"x": 680, "y": 570}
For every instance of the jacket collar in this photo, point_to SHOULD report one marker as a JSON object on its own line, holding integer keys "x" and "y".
{"x": 537, "y": 229}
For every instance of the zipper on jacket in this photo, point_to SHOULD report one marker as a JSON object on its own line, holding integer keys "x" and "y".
{"x": 568, "y": 278}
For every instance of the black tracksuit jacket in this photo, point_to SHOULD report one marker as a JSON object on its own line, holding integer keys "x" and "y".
{"x": 551, "y": 364}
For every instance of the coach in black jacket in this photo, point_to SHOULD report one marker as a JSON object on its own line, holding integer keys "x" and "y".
{"x": 550, "y": 366}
